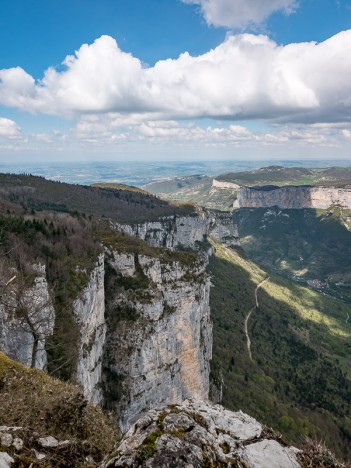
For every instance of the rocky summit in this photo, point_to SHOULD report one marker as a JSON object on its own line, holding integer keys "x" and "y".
{"x": 199, "y": 434}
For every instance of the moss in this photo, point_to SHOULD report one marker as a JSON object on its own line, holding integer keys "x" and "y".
{"x": 167, "y": 310}
{"x": 174, "y": 409}
{"x": 23, "y": 461}
{"x": 160, "y": 421}
{"x": 148, "y": 447}
{"x": 200, "y": 420}
{"x": 225, "y": 447}
{"x": 179, "y": 433}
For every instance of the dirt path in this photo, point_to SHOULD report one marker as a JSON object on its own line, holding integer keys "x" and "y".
{"x": 347, "y": 318}
{"x": 248, "y": 341}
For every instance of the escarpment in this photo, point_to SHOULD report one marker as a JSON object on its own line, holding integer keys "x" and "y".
{"x": 141, "y": 330}
{"x": 291, "y": 197}
{"x": 184, "y": 231}
{"x": 159, "y": 339}
{"x": 89, "y": 311}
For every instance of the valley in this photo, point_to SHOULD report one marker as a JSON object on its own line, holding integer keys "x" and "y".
{"x": 299, "y": 342}
{"x": 304, "y": 309}
{"x": 145, "y": 302}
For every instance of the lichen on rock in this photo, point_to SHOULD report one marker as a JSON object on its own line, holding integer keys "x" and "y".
{"x": 199, "y": 434}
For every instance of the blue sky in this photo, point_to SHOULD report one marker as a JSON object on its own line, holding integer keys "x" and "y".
{"x": 260, "y": 93}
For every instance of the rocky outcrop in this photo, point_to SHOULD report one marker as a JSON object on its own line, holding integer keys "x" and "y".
{"x": 89, "y": 311}
{"x": 293, "y": 197}
{"x": 159, "y": 340}
{"x": 184, "y": 231}
{"x": 198, "y": 434}
{"x": 225, "y": 185}
{"x": 27, "y": 318}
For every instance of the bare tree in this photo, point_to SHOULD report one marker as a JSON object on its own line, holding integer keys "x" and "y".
{"x": 27, "y": 314}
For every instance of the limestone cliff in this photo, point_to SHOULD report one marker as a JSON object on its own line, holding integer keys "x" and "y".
{"x": 27, "y": 318}
{"x": 89, "y": 310}
{"x": 144, "y": 329}
{"x": 225, "y": 185}
{"x": 184, "y": 231}
{"x": 159, "y": 339}
{"x": 290, "y": 197}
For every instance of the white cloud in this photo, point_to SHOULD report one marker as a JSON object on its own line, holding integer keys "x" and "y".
{"x": 106, "y": 134}
{"x": 102, "y": 130}
{"x": 246, "y": 77}
{"x": 240, "y": 13}
{"x": 9, "y": 128}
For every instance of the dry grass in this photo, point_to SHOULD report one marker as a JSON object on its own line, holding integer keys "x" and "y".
{"x": 37, "y": 402}
{"x": 314, "y": 453}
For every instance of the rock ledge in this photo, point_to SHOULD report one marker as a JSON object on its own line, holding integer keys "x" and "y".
{"x": 198, "y": 434}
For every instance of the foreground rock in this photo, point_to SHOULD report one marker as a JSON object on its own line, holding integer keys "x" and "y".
{"x": 196, "y": 434}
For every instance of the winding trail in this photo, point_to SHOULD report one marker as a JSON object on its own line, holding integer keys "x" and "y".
{"x": 248, "y": 341}
{"x": 347, "y": 318}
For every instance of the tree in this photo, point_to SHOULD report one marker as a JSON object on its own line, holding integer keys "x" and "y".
{"x": 26, "y": 312}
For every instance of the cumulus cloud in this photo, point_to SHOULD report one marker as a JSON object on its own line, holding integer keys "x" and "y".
{"x": 9, "y": 128}
{"x": 107, "y": 132}
{"x": 240, "y": 13}
{"x": 246, "y": 77}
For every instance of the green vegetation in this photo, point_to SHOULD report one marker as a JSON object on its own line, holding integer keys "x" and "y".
{"x": 122, "y": 242}
{"x": 178, "y": 183}
{"x": 125, "y": 206}
{"x": 33, "y": 400}
{"x": 300, "y": 380}
{"x": 195, "y": 189}
{"x": 307, "y": 244}
{"x": 64, "y": 245}
{"x": 278, "y": 175}
{"x": 116, "y": 186}
{"x": 40, "y": 224}
{"x": 148, "y": 447}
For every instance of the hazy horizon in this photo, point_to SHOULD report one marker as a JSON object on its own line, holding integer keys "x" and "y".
{"x": 140, "y": 173}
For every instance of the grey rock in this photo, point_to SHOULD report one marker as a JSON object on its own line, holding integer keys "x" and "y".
{"x": 48, "y": 442}
{"x": 293, "y": 197}
{"x": 10, "y": 428}
{"x": 18, "y": 444}
{"x": 6, "y": 439}
{"x": 162, "y": 356}
{"x": 270, "y": 454}
{"x": 184, "y": 231}
{"x": 194, "y": 433}
{"x": 16, "y": 331}
{"x": 89, "y": 310}
{"x": 5, "y": 460}
{"x": 38, "y": 455}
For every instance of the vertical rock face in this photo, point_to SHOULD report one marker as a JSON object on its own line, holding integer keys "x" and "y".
{"x": 224, "y": 230}
{"x": 89, "y": 311}
{"x": 185, "y": 231}
{"x": 225, "y": 185}
{"x": 27, "y": 318}
{"x": 159, "y": 335}
{"x": 144, "y": 321}
{"x": 293, "y": 197}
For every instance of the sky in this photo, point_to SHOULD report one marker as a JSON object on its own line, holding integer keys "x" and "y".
{"x": 175, "y": 79}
